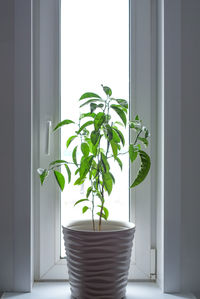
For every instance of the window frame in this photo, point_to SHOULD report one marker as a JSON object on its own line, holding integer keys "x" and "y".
{"x": 143, "y": 28}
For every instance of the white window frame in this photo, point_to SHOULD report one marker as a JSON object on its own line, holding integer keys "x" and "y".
{"x": 48, "y": 265}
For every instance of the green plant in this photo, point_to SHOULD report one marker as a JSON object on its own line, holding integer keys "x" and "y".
{"x": 101, "y": 140}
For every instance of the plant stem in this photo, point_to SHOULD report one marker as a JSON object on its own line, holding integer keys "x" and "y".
{"x": 118, "y": 154}
{"x": 136, "y": 139}
{"x": 93, "y": 223}
{"x": 102, "y": 191}
{"x": 101, "y": 211}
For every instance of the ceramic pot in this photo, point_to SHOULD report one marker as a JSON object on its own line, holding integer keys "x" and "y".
{"x": 98, "y": 262}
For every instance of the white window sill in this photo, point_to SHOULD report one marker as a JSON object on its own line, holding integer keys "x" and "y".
{"x": 60, "y": 290}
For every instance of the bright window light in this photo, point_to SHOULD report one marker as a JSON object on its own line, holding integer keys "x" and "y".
{"x": 94, "y": 51}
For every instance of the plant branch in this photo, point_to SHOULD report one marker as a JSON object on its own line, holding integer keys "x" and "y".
{"x": 102, "y": 191}
{"x": 118, "y": 154}
{"x": 93, "y": 223}
{"x": 136, "y": 139}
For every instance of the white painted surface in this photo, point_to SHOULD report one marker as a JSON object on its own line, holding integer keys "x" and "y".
{"x": 172, "y": 145}
{"x": 21, "y": 212}
{"x": 190, "y": 253}
{"x": 60, "y": 290}
{"x": 15, "y": 149}
{"x": 48, "y": 264}
{"x": 142, "y": 91}
{"x": 181, "y": 145}
{"x": 6, "y": 148}
{"x": 46, "y": 108}
{"x": 160, "y": 142}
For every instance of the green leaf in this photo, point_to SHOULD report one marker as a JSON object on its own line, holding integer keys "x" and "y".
{"x": 144, "y": 140}
{"x": 89, "y": 190}
{"x": 122, "y": 102}
{"x": 102, "y": 215}
{"x": 121, "y": 108}
{"x": 89, "y": 95}
{"x": 81, "y": 200}
{"x": 105, "y": 214}
{"x": 99, "y": 120}
{"x": 107, "y": 90}
{"x": 88, "y": 123}
{"x": 94, "y": 137}
{"x": 93, "y": 170}
{"x": 99, "y": 196}
{"x": 94, "y": 148}
{"x": 85, "y": 208}
{"x": 77, "y": 171}
{"x": 137, "y": 147}
{"x": 85, "y": 166}
{"x": 60, "y": 179}
{"x": 113, "y": 178}
{"x": 136, "y": 124}
{"x": 132, "y": 152}
{"x": 91, "y": 101}
{"x": 121, "y": 136}
{"x": 62, "y": 123}
{"x": 87, "y": 115}
{"x": 93, "y": 106}
{"x": 68, "y": 172}
{"x": 85, "y": 149}
{"x": 116, "y": 138}
{"x": 118, "y": 146}
{"x": 137, "y": 117}
{"x": 120, "y": 112}
{"x": 108, "y": 182}
{"x": 79, "y": 181}
{"x": 114, "y": 148}
{"x": 43, "y": 174}
{"x": 74, "y": 156}
{"x": 119, "y": 123}
{"x": 144, "y": 168}
{"x": 119, "y": 162}
{"x": 57, "y": 162}
{"x": 105, "y": 163}
{"x": 109, "y": 132}
{"x": 70, "y": 139}
{"x": 147, "y": 134}
{"x": 132, "y": 125}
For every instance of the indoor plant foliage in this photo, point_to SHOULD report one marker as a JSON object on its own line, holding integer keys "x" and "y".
{"x": 100, "y": 131}
{"x": 98, "y": 255}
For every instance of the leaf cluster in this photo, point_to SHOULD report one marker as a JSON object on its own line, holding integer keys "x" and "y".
{"x": 101, "y": 139}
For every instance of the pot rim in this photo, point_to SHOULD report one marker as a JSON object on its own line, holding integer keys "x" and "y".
{"x": 107, "y": 226}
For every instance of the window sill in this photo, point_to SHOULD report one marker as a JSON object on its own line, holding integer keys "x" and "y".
{"x": 60, "y": 290}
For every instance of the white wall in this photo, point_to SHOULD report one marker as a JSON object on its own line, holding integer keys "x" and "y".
{"x": 7, "y": 141}
{"x": 160, "y": 142}
{"x": 172, "y": 145}
{"x": 190, "y": 145}
{"x": 178, "y": 251}
{"x": 15, "y": 149}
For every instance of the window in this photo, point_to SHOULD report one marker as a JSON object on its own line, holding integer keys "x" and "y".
{"x": 91, "y": 56}
{"x": 136, "y": 67}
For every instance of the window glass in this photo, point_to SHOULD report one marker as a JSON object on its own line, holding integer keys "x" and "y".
{"x": 94, "y": 51}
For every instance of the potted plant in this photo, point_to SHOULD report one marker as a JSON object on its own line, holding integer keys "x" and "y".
{"x": 98, "y": 250}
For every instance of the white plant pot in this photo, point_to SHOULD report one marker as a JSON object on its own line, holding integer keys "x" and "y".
{"x": 98, "y": 262}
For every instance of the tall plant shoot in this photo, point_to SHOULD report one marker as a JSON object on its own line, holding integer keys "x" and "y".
{"x": 101, "y": 141}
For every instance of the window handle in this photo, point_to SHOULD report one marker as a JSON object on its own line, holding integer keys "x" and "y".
{"x": 49, "y": 123}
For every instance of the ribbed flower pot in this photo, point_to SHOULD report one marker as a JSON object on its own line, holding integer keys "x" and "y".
{"x": 98, "y": 262}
